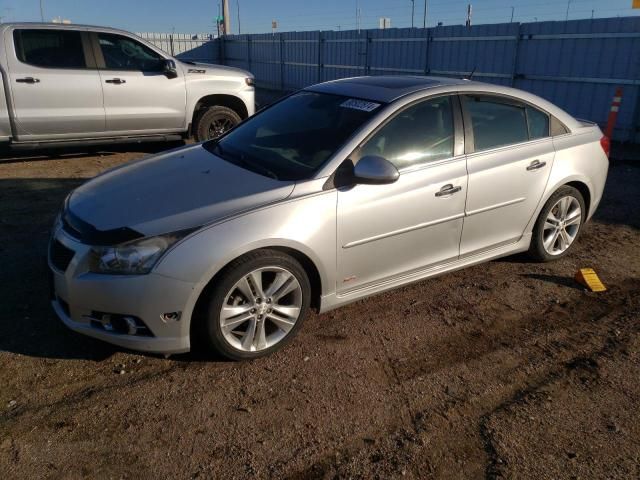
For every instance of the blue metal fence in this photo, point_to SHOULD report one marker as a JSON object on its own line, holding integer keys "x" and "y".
{"x": 576, "y": 64}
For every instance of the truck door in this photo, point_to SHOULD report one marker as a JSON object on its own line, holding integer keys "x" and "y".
{"x": 138, "y": 95}
{"x": 55, "y": 87}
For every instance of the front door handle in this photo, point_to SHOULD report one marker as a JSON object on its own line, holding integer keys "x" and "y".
{"x": 28, "y": 80}
{"x": 535, "y": 165}
{"x": 117, "y": 81}
{"x": 447, "y": 190}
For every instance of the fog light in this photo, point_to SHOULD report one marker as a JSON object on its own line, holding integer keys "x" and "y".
{"x": 170, "y": 317}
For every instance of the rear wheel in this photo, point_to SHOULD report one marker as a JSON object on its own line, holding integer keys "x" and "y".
{"x": 257, "y": 306}
{"x": 214, "y": 121}
{"x": 558, "y": 225}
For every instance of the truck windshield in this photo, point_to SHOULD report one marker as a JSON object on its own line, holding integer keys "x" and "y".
{"x": 292, "y": 139}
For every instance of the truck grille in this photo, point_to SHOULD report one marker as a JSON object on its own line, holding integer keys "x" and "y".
{"x": 60, "y": 255}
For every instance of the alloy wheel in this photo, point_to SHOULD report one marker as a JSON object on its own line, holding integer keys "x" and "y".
{"x": 261, "y": 309}
{"x": 561, "y": 225}
{"x": 219, "y": 125}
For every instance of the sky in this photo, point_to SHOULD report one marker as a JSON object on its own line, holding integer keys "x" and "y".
{"x": 196, "y": 16}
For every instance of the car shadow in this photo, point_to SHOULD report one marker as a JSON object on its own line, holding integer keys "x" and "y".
{"x": 65, "y": 153}
{"x": 555, "y": 279}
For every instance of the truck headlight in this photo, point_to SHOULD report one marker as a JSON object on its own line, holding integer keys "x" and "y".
{"x": 133, "y": 258}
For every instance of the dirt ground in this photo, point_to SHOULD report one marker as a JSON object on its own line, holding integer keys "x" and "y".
{"x": 504, "y": 370}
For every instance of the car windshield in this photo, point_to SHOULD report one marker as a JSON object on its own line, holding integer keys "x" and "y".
{"x": 292, "y": 139}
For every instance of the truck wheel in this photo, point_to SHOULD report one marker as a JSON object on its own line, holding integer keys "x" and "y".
{"x": 214, "y": 121}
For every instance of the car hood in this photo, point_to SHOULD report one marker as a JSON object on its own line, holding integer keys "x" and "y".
{"x": 184, "y": 188}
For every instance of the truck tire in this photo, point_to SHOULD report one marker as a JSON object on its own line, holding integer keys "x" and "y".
{"x": 213, "y": 122}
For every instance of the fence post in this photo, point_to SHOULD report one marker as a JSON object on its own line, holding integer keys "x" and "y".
{"x": 221, "y": 47}
{"x": 367, "y": 63}
{"x": 320, "y": 47}
{"x": 428, "y": 37}
{"x": 514, "y": 68}
{"x": 281, "y": 62}
{"x": 249, "y": 52}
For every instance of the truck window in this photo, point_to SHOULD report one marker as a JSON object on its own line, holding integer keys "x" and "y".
{"x": 50, "y": 48}
{"x": 123, "y": 53}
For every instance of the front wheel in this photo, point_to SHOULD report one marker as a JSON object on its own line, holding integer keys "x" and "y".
{"x": 214, "y": 121}
{"x": 558, "y": 225}
{"x": 256, "y": 306}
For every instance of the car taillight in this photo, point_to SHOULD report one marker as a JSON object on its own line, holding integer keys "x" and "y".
{"x": 605, "y": 143}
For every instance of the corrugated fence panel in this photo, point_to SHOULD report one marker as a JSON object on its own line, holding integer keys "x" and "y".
{"x": 487, "y": 50}
{"x": 397, "y": 51}
{"x": 300, "y": 52}
{"x": 343, "y": 54}
{"x": 576, "y": 64}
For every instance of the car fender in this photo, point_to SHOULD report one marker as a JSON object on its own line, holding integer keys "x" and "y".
{"x": 307, "y": 225}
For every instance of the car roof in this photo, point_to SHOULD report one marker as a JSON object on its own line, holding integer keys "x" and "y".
{"x": 384, "y": 88}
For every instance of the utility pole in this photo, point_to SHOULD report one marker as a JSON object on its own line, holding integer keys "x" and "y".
{"x": 218, "y": 21}
{"x": 413, "y": 8}
{"x": 225, "y": 17}
{"x": 512, "y": 10}
{"x": 424, "y": 19}
{"x": 468, "y": 23}
{"x": 566, "y": 17}
{"x": 41, "y": 12}
{"x": 358, "y": 16}
{"x": 238, "y": 4}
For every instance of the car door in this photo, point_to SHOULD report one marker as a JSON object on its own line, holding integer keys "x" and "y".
{"x": 138, "y": 95}
{"x": 55, "y": 88}
{"x": 385, "y": 231}
{"x": 510, "y": 154}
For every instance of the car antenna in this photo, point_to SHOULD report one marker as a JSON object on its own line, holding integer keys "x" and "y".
{"x": 471, "y": 74}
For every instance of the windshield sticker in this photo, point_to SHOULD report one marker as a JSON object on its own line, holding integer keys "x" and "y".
{"x": 360, "y": 105}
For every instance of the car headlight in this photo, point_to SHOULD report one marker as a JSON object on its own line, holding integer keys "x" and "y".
{"x": 133, "y": 258}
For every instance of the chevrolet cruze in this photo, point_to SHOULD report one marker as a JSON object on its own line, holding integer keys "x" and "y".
{"x": 339, "y": 191}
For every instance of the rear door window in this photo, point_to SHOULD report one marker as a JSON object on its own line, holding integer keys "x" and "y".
{"x": 496, "y": 122}
{"x": 50, "y": 48}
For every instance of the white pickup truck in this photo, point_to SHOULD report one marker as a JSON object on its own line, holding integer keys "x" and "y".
{"x": 75, "y": 84}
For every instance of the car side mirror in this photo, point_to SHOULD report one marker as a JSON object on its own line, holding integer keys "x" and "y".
{"x": 170, "y": 69}
{"x": 375, "y": 170}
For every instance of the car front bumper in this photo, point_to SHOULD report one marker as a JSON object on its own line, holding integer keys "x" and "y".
{"x": 83, "y": 300}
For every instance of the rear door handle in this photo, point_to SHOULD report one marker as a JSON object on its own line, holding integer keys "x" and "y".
{"x": 447, "y": 190}
{"x": 117, "y": 81}
{"x": 28, "y": 80}
{"x": 535, "y": 165}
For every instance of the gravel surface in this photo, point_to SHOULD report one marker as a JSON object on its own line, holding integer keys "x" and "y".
{"x": 504, "y": 370}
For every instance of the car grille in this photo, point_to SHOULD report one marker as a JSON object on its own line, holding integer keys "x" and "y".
{"x": 60, "y": 255}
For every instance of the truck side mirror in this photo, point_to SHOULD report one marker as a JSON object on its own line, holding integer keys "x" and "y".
{"x": 170, "y": 69}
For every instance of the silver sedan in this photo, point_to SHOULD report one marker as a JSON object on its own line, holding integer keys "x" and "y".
{"x": 339, "y": 191}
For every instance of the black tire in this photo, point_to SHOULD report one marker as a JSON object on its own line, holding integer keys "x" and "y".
{"x": 536, "y": 250}
{"x": 213, "y": 122}
{"x": 207, "y": 333}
